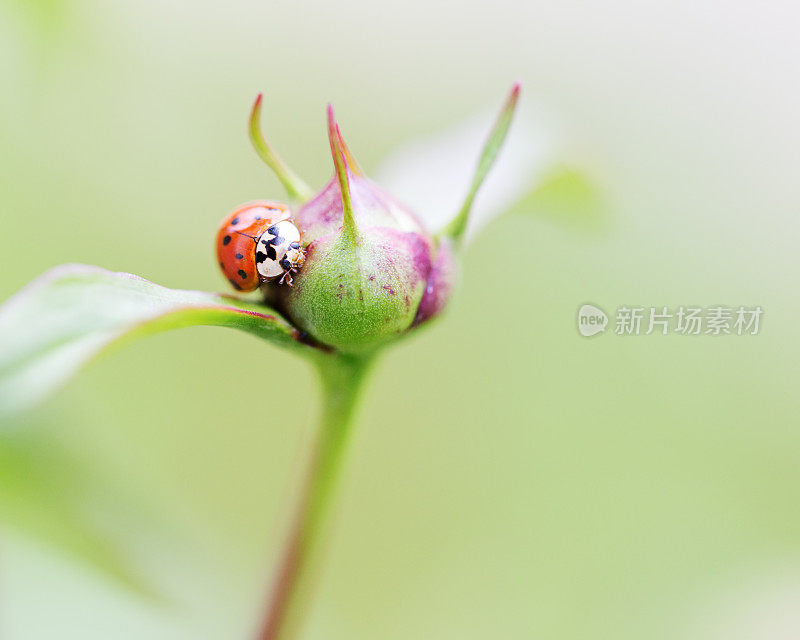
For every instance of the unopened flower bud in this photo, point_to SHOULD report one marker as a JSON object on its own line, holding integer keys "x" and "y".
{"x": 371, "y": 270}
{"x": 368, "y": 260}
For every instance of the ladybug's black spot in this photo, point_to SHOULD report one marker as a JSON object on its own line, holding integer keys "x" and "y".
{"x": 235, "y": 284}
{"x": 260, "y": 256}
{"x": 239, "y": 256}
{"x": 294, "y": 245}
{"x": 286, "y": 264}
{"x": 242, "y": 273}
{"x": 226, "y": 240}
{"x": 235, "y": 220}
{"x": 273, "y": 230}
{"x": 271, "y": 253}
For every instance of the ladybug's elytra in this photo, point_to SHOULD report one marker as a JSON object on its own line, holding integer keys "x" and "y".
{"x": 258, "y": 242}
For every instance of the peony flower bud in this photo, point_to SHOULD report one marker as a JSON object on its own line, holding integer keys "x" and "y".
{"x": 372, "y": 271}
{"x": 368, "y": 260}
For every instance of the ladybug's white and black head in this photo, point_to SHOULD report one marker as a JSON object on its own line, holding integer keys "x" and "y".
{"x": 295, "y": 257}
{"x": 278, "y": 250}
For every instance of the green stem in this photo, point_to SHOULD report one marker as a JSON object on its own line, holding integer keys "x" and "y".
{"x": 342, "y": 378}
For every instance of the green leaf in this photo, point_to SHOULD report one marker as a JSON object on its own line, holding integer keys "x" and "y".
{"x": 40, "y": 490}
{"x": 568, "y": 198}
{"x": 66, "y": 317}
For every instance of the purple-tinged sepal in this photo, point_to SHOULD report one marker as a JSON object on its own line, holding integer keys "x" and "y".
{"x": 442, "y": 279}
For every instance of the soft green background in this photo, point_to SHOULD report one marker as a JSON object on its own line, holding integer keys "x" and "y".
{"x": 509, "y": 478}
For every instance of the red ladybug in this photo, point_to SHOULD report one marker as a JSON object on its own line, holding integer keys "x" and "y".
{"x": 258, "y": 242}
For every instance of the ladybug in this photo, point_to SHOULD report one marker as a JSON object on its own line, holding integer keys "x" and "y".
{"x": 258, "y": 242}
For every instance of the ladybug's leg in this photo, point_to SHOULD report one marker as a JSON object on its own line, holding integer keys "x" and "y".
{"x": 287, "y": 277}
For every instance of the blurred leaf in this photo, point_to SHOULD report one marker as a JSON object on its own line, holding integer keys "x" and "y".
{"x": 566, "y": 197}
{"x": 44, "y": 23}
{"x": 40, "y": 494}
{"x": 59, "y": 322}
{"x": 47, "y": 15}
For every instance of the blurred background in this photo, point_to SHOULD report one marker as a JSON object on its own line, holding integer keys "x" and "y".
{"x": 509, "y": 477}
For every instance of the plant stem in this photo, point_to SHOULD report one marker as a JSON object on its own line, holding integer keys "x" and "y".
{"x": 342, "y": 378}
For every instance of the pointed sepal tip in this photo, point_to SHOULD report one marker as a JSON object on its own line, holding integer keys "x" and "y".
{"x": 343, "y": 171}
{"x": 297, "y": 189}
{"x": 456, "y": 228}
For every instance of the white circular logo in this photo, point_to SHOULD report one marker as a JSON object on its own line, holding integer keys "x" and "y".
{"x": 591, "y": 320}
